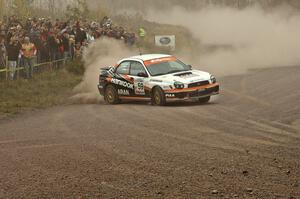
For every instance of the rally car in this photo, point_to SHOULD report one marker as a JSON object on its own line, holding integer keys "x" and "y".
{"x": 156, "y": 78}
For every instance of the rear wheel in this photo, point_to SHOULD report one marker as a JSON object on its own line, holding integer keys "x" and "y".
{"x": 111, "y": 95}
{"x": 158, "y": 97}
{"x": 204, "y": 100}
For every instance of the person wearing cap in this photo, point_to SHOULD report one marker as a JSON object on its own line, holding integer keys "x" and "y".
{"x": 28, "y": 52}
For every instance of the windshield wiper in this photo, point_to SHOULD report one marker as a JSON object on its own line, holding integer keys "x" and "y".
{"x": 173, "y": 71}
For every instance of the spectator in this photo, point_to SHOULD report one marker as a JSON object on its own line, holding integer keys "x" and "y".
{"x": 66, "y": 45}
{"x": 13, "y": 52}
{"x": 90, "y": 37}
{"x": 28, "y": 52}
{"x": 129, "y": 38}
{"x": 2, "y": 53}
{"x": 83, "y": 47}
{"x": 53, "y": 45}
{"x": 80, "y": 35}
{"x": 77, "y": 50}
{"x": 72, "y": 46}
{"x": 52, "y": 40}
{"x": 103, "y": 22}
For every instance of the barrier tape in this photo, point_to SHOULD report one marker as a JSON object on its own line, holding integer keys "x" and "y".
{"x": 36, "y": 65}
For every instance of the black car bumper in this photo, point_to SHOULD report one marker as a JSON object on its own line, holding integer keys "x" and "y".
{"x": 193, "y": 94}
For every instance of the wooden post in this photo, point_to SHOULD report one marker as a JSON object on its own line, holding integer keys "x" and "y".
{"x": 6, "y": 66}
{"x": 18, "y": 71}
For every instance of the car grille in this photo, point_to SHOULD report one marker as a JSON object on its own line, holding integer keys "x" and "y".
{"x": 208, "y": 91}
{"x": 203, "y": 83}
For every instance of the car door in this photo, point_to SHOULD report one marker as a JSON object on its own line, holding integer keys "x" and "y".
{"x": 122, "y": 81}
{"x": 139, "y": 76}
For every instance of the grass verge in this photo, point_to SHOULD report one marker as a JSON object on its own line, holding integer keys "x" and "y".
{"x": 44, "y": 90}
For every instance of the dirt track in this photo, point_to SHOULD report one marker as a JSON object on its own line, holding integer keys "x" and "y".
{"x": 245, "y": 144}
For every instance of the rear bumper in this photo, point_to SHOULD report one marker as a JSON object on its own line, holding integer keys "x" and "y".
{"x": 197, "y": 93}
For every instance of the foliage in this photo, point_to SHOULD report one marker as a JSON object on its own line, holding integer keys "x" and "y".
{"x": 2, "y": 9}
{"x": 77, "y": 10}
{"x": 189, "y": 4}
{"x": 22, "y": 7}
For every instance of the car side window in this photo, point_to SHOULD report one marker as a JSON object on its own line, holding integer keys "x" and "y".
{"x": 136, "y": 68}
{"x": 123, "y": 68}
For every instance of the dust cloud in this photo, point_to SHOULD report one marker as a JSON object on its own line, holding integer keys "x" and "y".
{"x": 102, "y": 53}
{"x": 234, "y": 40}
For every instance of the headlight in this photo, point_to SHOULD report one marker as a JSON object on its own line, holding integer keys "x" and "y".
{"x": 179, "y": 85}
{"x": 213, "y": 79}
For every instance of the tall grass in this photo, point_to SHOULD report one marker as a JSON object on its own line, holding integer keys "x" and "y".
{"x": 44, "y": 90}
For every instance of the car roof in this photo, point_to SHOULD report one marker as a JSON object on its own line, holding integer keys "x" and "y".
{"x": 150, "y": 56}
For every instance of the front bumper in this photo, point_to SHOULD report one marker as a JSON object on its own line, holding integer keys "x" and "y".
{"x": 191, "y": 94}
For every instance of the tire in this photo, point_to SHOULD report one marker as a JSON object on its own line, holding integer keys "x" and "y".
{"x": 204, "y": 100}
{"x": 111, "y": 95}
{"x": 158, "y": 97}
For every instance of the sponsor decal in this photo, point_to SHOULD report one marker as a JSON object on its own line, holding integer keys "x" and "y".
{"x": 111, "y": 71}
{"x": 139, "y": 87}
{"x": 170, "y": 95}
{"x": 122, "y": 83}
{"x": 165, "y": 40}
{"x": 123, "y": 92}
{"x": 156, "y": 80}
{"x": 159, "y": 60}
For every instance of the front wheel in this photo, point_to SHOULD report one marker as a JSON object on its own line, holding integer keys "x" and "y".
{"x": 111, "y": 95}
{"x": 204, "y": 100}
{"x": 158, "y": 97}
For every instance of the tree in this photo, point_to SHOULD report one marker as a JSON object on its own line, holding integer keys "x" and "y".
{"x": 21, "y": 7}
{"x": 77, "y": 10}
{"x": 2, "y": 9}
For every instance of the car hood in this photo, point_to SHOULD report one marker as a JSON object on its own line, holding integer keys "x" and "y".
{"x": 184, "y": 77}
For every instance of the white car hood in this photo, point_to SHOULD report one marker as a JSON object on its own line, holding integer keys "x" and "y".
{"x": 185, "y": 77}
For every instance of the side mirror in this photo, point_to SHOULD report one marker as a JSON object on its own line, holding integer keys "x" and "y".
{"x": 142, "y": 74}
{"x": 190, "y": 67}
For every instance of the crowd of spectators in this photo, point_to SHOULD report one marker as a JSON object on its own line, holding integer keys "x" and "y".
{"x": 39, "y": 40}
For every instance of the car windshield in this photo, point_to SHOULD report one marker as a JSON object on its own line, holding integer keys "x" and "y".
{"x": 167, "y": 67}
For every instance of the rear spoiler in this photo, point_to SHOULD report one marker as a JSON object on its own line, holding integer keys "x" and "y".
{"x": 106, "y": 68}
{"x": 110, "y": 70}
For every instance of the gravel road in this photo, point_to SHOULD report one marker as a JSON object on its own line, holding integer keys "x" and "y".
{"x": 244, "y": 144}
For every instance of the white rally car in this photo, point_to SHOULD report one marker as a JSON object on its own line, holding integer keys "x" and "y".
{"x": 157, "y": 78}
